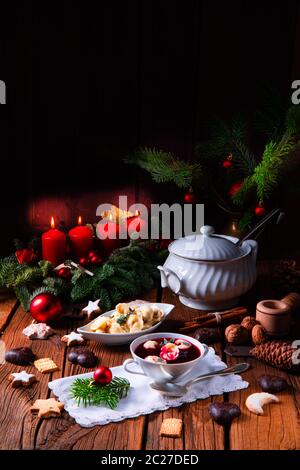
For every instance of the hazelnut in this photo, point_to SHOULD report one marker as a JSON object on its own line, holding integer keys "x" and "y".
{"x": 259, "y": 335}
{"x": 249, "y": 323}
{"x": 236, "y": 334}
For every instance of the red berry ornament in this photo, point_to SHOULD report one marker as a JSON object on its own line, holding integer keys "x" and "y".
{"x": 102, "y": 375}
{"x": 189, "y": 197}
{"x": 64, "y": 273}
{"x": 45, "y": 308}
{"x": 84, "y": 261}
{"x": 260, "y": 211}
{"x": 227, "y": 163}
{"x": 234, "y": 188}
{"x": 92, "y": 254}
{"x": 96, "y": 260}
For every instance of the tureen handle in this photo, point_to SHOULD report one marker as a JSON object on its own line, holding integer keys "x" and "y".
{"x": 169, "y": 277}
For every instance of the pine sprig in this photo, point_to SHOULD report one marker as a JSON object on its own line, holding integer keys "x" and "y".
{"x": 164, "y": 167}
{"x": 86, "y": 392}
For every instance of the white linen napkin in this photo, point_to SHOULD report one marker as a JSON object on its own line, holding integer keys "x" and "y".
{"x": 142, "y": 399}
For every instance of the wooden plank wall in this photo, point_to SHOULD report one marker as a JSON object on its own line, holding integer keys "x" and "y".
{"x": 90, "y": 83}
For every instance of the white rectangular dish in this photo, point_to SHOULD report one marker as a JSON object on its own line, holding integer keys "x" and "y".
{"x": 122, "y": 338}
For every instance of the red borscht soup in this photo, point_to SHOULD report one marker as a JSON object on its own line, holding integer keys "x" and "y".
{"x": 167, "y": 350}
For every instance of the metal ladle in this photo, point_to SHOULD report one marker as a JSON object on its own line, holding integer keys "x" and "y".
{"x": 176, "y": 390}
{"x": 261, "y": 224}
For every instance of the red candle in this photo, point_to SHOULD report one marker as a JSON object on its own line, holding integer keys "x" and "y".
{"x": 81, "y": 240}
{"x": 135, "y": 225}
{"x": 54, "y": 245}
{"x": 108, "y": 232}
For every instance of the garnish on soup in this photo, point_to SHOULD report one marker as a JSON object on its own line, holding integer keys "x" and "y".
{"x": 168, "y": 350}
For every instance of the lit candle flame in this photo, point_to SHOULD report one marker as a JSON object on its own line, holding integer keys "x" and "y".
{"x": 52, "y": 223}
{"x": 79, "y": 220}
{"x": 110, "y": 217}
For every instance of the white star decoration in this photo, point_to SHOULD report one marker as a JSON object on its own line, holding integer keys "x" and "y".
{"x": 22, "y": 377}
{"x": 73, "y": 338}
{"x": 92, "y": 308}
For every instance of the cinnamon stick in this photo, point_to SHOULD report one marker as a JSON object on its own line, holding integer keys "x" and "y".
{"x": 209, "y": 320}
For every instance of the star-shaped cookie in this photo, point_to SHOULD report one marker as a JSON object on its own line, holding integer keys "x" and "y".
{"x": 73, "y": 339}
{"x": 38, "y": 331}
{"x": 49, "y": 408}
{"x": 22, "y": 379}
{"x": 92, "y": 309}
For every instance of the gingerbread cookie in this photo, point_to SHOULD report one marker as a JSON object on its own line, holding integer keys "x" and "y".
{"x": 45, "y": 365}
{"x": 49, "y": 408}
{"x": 22, "y": 379}
{"x": 171, "y": 427}
{"x": 73, "y": 339}
{"x": 38, "y": 331}
{"x": 92, "y": 309}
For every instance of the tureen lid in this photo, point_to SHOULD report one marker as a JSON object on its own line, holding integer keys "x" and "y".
{"x": 206, "y": 246}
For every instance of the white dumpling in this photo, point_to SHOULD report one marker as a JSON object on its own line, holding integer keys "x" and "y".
{"x": 135, "y": 322}
{"x": 157, "y": 315}
{"x": 147, "y": 313}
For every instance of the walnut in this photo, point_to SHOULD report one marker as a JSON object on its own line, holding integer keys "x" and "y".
{"x": 236, "y": 334}
{"x": 249, "y": 323}
{"x": 259, "y": 335}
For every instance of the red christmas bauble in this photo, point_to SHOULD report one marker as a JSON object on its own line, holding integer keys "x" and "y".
{"x": 259, "y": 211}
{"x": 84, "y": 261}
{"x": 64, "y": 273}
{"x": 227, "y": 162}
{"x": 102, "y": 375}
{"x": 95, "y": 259}
{"x": 190, "y": 197}
{"x": 234, "y": 188}
{"x": 45, "y": 308}
{"x": 25, "y": 256}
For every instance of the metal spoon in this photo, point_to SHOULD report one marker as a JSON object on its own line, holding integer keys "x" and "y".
{"x": 173, "y": 389}
{"x": 260, "y": 224}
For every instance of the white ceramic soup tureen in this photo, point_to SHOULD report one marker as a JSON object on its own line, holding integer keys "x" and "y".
{"x": 209, "y": 271}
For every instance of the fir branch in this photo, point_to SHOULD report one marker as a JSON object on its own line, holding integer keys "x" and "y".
{"x": 246, "y": 219}
{"x": 42, "y": 290}
{"x": 23, "y": 295}
{"x": 27, "y": 275}
{"x": 164, "y": 167}
{"x": 86, "y": 392}
{"x": 83, "y": 288}
{"x": 105, "y": 272}
{"x": 240, "y": 196}
{"x": 243, "y": 158}
{"x": 102, "y": 293}
{"x": 46, "y": 267}
{"x": 275, "y": 157}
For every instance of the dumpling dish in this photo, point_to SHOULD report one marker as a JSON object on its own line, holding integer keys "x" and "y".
{"x": 129, "y": 318}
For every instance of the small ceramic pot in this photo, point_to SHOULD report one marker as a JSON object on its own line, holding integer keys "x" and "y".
{"x": 274, "y": 316}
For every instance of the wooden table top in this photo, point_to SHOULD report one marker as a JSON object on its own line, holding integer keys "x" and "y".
{"x": 20, "y": 429}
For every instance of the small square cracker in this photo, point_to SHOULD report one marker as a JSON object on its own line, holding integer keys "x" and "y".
{"x": 171, "y": 427}
{"x": 45, "y": 365}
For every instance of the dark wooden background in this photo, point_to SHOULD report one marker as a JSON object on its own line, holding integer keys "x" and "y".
{"x": 88, "y": 83}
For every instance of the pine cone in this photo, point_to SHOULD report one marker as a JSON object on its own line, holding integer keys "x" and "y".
{"x": 280, "y": 354}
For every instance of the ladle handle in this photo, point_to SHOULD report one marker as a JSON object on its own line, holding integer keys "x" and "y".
{"x": 261, "y": 224}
